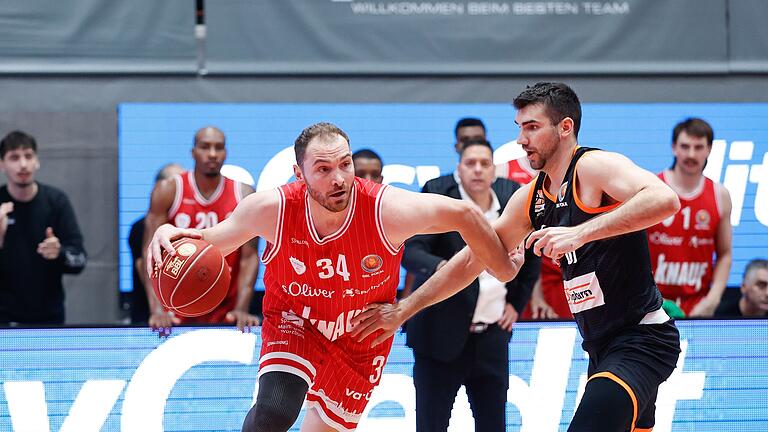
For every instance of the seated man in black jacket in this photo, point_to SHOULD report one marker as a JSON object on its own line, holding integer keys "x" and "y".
{"x": 464, "y": 339}
{"x": 39, "y": 239}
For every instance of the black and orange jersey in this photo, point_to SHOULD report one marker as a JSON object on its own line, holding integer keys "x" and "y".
{"x": 608, "y": 283}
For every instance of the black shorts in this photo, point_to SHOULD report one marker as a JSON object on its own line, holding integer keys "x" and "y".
{"x": 639, "y": 358}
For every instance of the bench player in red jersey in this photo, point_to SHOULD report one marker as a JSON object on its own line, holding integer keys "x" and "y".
{"x": 334, "y": 246}
{"x": 201, "y": 198}
{"x": 682, "y": 246}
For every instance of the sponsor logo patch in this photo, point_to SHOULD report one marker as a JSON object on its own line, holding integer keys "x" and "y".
{"x": 297, "y": 265}
{"x": 371, "y": 263}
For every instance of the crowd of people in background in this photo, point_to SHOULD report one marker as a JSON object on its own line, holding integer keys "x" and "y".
{"x": 691, "y": 252}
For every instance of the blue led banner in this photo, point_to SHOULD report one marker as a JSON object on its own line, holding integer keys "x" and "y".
{"x": 126, "y": 379}
{"x": 416, "y": 143}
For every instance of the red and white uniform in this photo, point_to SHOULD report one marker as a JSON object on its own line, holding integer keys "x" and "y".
{"x": 314, "y": 287}
{"x": 551, "y": 277}
{"x": 682, "y": 247}
{"x": 191, "y": 209}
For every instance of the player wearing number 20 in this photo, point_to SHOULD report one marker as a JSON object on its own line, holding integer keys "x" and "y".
{"x": 682, "y": 245}
{"x": 201, "y": 198}
{"x": 334, "y": 247}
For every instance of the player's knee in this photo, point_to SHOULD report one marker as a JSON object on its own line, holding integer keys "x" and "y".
{"x": 267, "y": 417}
{"x": 278, "y": 403}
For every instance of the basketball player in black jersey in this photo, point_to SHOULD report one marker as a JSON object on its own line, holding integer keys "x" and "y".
{"x": 587, "y": 210}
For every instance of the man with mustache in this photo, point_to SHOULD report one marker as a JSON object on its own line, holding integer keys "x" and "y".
{"x": 202, "y": 198}
{"x": 334, "y": 246}
{"x": 39, "y": 238}
{"x": 682, "y": 245}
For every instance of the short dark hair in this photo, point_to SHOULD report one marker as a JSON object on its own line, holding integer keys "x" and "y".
{"x": 559, "y": 100}
{"x": 475, "y": 142}
{"x": 694, "y": 127}
{"x": 322, "y": 129}
{"x": 467, "y": 122}
{"x": 755, "y": 264}
{"x": 367, "y": 154}
{"x": 16, "y": 140}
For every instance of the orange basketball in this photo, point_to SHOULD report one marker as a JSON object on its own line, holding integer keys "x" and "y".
{"x": 194, "y": 281}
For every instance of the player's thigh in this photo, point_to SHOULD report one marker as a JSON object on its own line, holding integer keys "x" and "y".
{"x": 606, "y": 407}
{"x": 314, "y": 423}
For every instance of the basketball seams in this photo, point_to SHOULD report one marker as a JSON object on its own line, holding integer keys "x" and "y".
{"x": 213, "y": 284}
{"x": 186, "y": 272}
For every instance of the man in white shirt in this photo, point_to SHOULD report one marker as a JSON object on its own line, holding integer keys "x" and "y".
{"x": 464, "y": 340}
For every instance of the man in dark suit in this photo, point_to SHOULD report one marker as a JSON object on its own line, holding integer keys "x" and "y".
{"x": 464, "y": 339}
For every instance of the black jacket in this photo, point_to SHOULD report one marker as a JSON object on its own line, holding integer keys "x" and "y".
{"x": 440, "y": 331}
{"x": 31, "y": 291}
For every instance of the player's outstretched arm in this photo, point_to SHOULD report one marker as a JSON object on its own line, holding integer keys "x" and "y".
{"x": 255, "y": 216}
{"x": 645, "y": 201}
{"x": 456, "y": 274}
{"x": 405, "y": 214}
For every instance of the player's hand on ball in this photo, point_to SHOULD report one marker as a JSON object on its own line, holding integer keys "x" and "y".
{"x": 162, "y": 240}
{"x": 377, "y": 316}
{"x": 243, "y": 320}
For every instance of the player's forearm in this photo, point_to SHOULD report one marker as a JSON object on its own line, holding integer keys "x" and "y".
{"x": 646, "y": 208}
{"x": 451, "y": 278}
{"x": 720, "y": 276}
{"x": 487, "y": 246}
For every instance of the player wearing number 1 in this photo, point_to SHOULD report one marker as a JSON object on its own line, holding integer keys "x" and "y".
{"x": 334, "y": 246}
{"x": 682, "y": 246}
{"x": 201, "y": 198}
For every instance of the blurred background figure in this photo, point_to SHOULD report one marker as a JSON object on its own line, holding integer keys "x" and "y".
{"x": 138, "y": 303}
{"x": 682, "y": 246}
{"x": 753, "y": 301}
{"x": 39, "y": 238}
{"x": 200, "y": 199}
{"x": 368, "y": 165}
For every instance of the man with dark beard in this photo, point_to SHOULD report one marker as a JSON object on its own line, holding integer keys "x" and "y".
{"x": 587, "y": 209}
{"x": 39, "y": 239}
{"x": 334, "y": 246}
{"x": 202, "y": 198}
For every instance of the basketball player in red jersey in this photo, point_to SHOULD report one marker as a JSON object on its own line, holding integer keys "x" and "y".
{"x": 334, "y": 246}
{"x": 682, "y": 245}
{"x": 201, "y": 199}
{"x": 547, "y": 299}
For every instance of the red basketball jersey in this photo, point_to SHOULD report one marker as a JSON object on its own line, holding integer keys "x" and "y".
{"x": 520, "y": 173}
{"x": 191, "y": 210}
{"x": 327, "y": 281}
{"x": 682, "y": 247}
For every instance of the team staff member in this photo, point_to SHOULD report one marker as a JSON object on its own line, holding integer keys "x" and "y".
{"x": 464, "y": 340}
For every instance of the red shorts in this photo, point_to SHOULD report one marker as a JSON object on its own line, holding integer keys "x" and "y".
{"x": 341, "y": 374}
